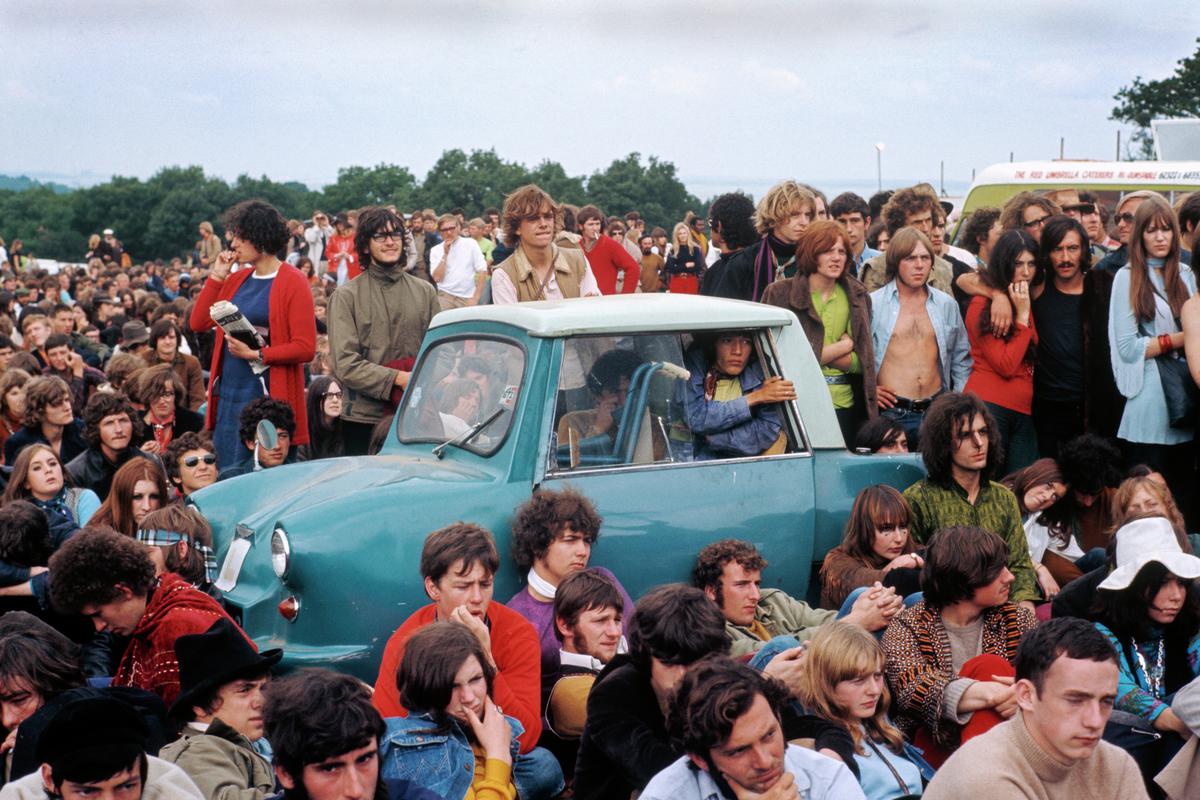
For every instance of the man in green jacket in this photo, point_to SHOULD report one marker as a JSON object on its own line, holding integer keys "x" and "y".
{"x": 220, "y": 706}
{"x": 376, "y": 324}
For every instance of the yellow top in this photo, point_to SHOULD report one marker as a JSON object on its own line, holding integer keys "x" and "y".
{"x": 493, "y": 778}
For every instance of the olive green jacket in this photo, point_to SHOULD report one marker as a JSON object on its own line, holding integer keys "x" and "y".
{"x": 782, "y": 615}
{"x": 222, "y": 763}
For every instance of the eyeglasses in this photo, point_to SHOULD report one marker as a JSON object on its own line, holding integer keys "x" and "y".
{"x": 335, "y": 395}
{"x": 1125, "y": 218}
{"x": 383, "y": 236}
{"x": 1037, "y": 223}
{"x": 1082, "y": 209}
{"x": 207, "y": 458}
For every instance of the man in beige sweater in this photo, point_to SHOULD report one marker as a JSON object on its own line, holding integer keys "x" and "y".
{"x": 1066, "y": 685}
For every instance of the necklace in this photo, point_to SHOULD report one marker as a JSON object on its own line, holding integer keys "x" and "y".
{"x": 1154, "y": 673}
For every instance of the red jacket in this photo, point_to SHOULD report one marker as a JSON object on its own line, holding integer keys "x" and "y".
{"x": 337, "y": 246}
{"x": 607, "y": 258}
{"x": 173, "y": 609}
{"x": 518, "y": 655}
{"x": 293, "y": 325}
{"x": 1003, "y": 370}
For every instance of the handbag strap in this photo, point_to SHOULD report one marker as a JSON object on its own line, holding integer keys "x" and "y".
{"x": 895, "y": 774}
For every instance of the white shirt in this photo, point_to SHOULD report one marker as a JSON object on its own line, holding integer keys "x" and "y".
{"x": 462, "y": 265}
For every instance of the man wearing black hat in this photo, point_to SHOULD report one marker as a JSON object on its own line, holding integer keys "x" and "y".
{"x": 220, "y": 704}
{"x": 96, "y": 747}
{"x": 135, "y": 337}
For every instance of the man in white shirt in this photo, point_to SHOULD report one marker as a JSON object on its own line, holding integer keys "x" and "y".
{"x": 317, "y": 235}
{"x": 458, "y": 266}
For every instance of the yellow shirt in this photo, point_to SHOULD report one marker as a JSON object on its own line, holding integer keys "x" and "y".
{"x": 493, "y": 778}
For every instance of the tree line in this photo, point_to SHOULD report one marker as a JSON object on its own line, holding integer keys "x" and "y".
{"x": 158, "y": 217}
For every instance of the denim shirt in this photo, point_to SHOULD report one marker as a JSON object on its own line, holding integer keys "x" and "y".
{"x": 731, "y": 428}
{"x": 441, "y": 761}
{"x": 954, "y": 350}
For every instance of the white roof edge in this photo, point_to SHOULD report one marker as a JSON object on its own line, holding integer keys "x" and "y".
{"x": 622, "y": 314}
{"x": 1091, "y": 172}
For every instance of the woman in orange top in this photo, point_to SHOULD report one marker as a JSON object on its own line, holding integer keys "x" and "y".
{"x": 1003, "y": 372}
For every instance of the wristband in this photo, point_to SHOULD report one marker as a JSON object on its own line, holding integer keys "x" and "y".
{"x": 1164, "y": 343}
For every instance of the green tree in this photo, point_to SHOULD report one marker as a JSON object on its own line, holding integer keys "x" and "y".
{"x": 474, "y": 181}
{"x": 654, "y": 190}
{"x": 362, "y": 186}
{"x": 1174, "y": 96}
{"x": 42, "y": 219}
{"x": 564, "y": 188}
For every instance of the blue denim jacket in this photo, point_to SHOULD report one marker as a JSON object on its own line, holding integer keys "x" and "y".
{"x": 728, "y": 429}
{"x": 954, "y": 349}
{"x": 441, "y": 761}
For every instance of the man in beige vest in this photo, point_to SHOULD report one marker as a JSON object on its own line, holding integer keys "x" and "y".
{"x": 538, "y": 269}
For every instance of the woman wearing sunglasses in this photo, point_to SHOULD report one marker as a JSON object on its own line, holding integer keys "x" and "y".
{"x": 191, "y": 463}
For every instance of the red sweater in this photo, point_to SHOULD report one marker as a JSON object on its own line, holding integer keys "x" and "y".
{"x": 293, "y": 325}
{"x": 1001, "y": 374}
{"x": 518, "y": 656}
{"x": 337, "y": 246}
{"x": 173, "y": 609}
{"x": 608, "y": 258}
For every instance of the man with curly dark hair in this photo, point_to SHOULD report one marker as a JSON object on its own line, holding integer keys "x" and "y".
{"x": 731, "y": 225}
{"x": 961, "y": 449}
{"x": 191, "y": 462}
{"x": 110, "y": 578}
{"x": 552, "y": 537}
{"x": 279, "y": 414}
{"x": 110, "y": 427}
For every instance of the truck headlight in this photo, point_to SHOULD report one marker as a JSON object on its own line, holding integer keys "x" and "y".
{"x": 281, "y": 552}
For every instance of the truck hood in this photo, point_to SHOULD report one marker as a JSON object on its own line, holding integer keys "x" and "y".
{"x": 260, "y": 498}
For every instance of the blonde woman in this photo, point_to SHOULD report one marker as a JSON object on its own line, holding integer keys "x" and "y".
{"x": 685, "y": 262}
{"x": 843, "y": 683}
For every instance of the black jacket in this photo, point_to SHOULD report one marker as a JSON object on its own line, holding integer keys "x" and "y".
{"x": 73, "y": 442}
{"x": 91, "y": 470}
{"x": 1076, "y": 598}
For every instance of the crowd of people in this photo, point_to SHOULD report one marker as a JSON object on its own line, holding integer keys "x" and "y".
{"x": 1026, "y": 615}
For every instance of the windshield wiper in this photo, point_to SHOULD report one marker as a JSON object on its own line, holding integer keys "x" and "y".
{"x": 463, "y": 438}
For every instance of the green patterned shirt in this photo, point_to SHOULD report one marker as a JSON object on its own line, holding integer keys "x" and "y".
{"x": 995, "y": 509}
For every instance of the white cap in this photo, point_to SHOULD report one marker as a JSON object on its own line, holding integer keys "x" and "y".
{"x": 1143, "y": 541}
{"x": 108, "y": 231}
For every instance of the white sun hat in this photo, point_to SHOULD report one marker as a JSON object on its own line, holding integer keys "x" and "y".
{"x": 1143, "y": 541}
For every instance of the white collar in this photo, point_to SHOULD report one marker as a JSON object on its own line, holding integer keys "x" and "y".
{"x": 579, "y": 660}
{"x": 540, "y": 585}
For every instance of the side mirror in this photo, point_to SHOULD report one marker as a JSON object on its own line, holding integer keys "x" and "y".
{"x": 266, "y": 435}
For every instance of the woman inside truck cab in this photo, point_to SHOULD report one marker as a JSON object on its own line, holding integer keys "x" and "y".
{"x": 731, "y": 406}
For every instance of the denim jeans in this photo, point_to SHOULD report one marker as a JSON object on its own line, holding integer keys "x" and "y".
{"x": 537, "y": 775}
{"x": 1018, "y": 436}
{"x": 909, "y": 420}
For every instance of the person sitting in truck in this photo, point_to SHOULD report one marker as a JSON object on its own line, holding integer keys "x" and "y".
{"x": 731, "y": 405}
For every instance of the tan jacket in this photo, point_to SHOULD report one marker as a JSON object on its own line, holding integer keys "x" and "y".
{"x": 569, "y": 265}
{"x": 222, "y": 763}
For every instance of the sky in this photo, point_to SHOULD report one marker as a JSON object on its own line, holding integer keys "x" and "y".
{"x": 736, "y": 93}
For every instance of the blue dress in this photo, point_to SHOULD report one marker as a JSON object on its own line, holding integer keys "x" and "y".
{"x": 238, "y": 385}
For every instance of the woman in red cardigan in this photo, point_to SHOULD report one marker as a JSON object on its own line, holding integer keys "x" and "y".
{"x": 1003, "y": 373}
{"x": 274, "y": 297}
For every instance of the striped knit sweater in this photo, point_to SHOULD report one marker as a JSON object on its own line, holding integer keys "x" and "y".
{"x": 919, "y": 663}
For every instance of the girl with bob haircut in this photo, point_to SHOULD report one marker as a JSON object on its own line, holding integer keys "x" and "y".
{"x": 1150, "y": 612}
{"x": 835, "y": 313}
{"x": 945, "y": 695}
{"x": 138, "y": 487}
{"x": 179, "y": 540}
{"x": 38, "y": 477}
{"x": 876, "y": 547}
{"x": 843, "y": 683}
{"x": 455, "y": 740}
{"x": 274, "y": 297}
{"x": 1143, "y": 333}
{"x": 12, "y": 403}
{"x": 1003, "y": 373}
{"x": 685, "y": 262}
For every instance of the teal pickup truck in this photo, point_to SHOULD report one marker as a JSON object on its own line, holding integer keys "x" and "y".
{"x": 320, "y": 558}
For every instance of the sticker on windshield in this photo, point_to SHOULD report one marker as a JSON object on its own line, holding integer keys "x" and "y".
{"x": 508, "y": 398}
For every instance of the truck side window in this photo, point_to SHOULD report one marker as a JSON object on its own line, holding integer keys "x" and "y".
{"x": 460, "y": 382}
{"x": 618, "y": 403}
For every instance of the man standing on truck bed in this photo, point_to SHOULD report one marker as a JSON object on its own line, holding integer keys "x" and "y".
{"x": 921, "y": 346}
{"x": 376, "y": 324}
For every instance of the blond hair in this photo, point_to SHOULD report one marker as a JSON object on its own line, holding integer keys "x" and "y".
{"x": 780, "y": 202}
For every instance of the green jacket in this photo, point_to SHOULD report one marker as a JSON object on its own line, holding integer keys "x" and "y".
{"x": 935, "y": 507}
{"x": 222, "y": 763}
{"x": 379, "y": 317}
{"x": 781, "y": 615}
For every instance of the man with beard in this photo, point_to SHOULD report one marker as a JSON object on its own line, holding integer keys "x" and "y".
{"x": 652, "y": 264}
{"x": 108, "y": 423}
{"x": 325, "y": 735}
{"x": 1073, "y": 387}
{"x": 394, "y": 307}
{"x": 727, "y": 716}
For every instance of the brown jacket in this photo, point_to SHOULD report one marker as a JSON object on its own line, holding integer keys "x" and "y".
{"x": 569, "y": 266}
{"x": 794, "y": 294}
{"x": 188, "y": 374}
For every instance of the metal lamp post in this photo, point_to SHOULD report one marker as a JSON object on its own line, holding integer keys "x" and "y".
{"x": 879, "y": 164}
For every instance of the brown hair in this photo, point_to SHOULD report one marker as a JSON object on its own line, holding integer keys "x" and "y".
{"x": 582, "y": 591}
{"x": 91, "y": 564}
{"x": 188, "y": 522}
{"x": 526, "y": 203}
{"x": 711, "y": 561}
{"x": 1012, "y": 216}
{"x": 541, "y": 519}
{"x": 40, "y": 393}
{"x": 901, "y": 246}
{"x": 17, "y": 490}
{"x": 11, "y": 379}
{"x": 117, "y": 508}
{"x": 819, "y": 237}
{"x": 461, "y": 541}
{"x": 1154, "y": 210}
{"x": 432, "y": 658}
{"x": 876, "y": 507}
{"x": 904, "y": 204}
{"x": 959, "y": 560}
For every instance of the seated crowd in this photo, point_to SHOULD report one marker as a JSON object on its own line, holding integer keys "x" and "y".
{"x": 1029, "y": 622}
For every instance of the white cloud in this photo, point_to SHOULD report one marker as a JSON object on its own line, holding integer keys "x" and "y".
{"x": 775, "y": 78}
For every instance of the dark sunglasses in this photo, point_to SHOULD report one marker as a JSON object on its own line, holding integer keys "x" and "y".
{"x": 1083, "y": 208}
{"x": 1127, "y": 218}
{"x": 207, "y": 458}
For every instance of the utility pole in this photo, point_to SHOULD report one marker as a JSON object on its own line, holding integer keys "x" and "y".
{"x": 1062, "y": 147}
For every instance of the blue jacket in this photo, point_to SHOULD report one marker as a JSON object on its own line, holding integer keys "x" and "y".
{"x": 441, "y": 761}
{"x": 728, "y": 429}
{"x": 954, "y": 349}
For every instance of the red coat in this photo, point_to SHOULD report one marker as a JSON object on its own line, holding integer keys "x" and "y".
{"x": 1002, "y": 372}
{"x": 607, "y": 258}
{"x": 293, "y": 325}
{"x": 174, "y": 608}
{"x": 518, "y": 654}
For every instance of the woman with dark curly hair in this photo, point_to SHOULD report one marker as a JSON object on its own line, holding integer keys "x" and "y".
{"x": 139, "y": 487}
{"x": 275, "y": 298}
{"x": 48, "y": 420}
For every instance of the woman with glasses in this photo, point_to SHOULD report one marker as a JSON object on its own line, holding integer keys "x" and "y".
{"x": 876, "y": 548}
{"x": 275, "y": 298}
{"x": 324, "y": 421}
{"x": 1145, "y": 339}
{"x": 48, "y": 420}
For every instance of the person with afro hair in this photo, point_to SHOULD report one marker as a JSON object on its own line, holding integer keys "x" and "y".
{"x": 276, "y": 299}
{"x": 279, "y": 414}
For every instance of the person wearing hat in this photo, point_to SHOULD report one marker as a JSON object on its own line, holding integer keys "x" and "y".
{"x": 220, "y": 704}
{"x": 135, "y": 337}
{"x": 1150, "y": 612}
{"x": 96, "y": 747}
{"x": 1086, "y": 213}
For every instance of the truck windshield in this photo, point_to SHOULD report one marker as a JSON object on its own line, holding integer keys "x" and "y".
{"x": 460, "y": 382}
